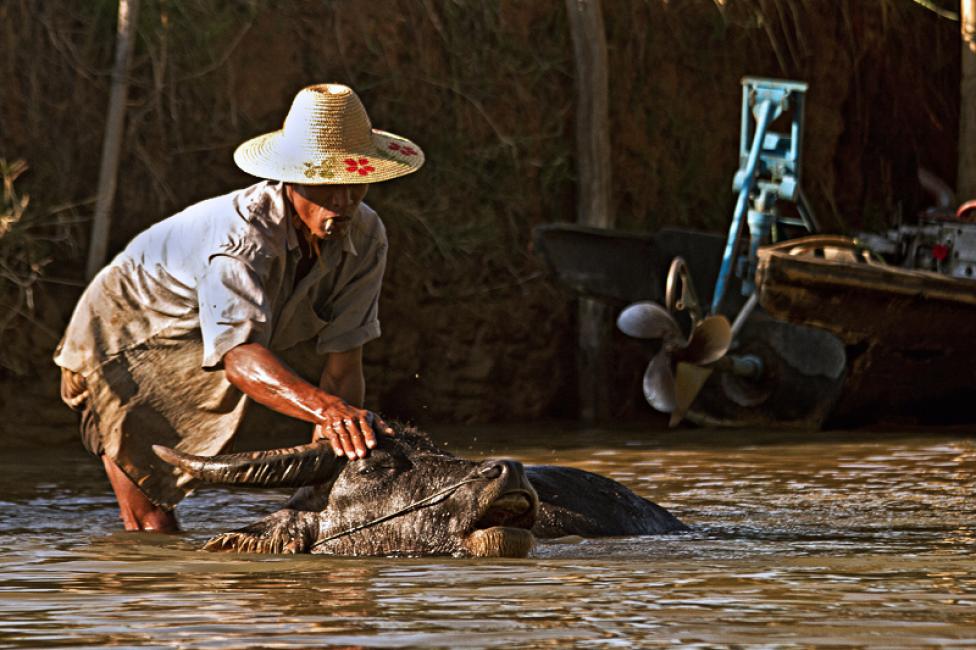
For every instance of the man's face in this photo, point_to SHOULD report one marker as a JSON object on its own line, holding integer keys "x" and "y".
{"x": 326, "y": 209}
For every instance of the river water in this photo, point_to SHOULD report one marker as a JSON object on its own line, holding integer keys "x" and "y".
{"x": 844, "y": 539}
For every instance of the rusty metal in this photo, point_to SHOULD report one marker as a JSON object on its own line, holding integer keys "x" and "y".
{"x": 679, "y": 277}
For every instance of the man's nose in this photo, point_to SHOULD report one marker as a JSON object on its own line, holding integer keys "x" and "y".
{"x": 341, "y": 198}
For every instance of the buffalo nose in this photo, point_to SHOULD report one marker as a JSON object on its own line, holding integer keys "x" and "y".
{"x": 493, "y": 469}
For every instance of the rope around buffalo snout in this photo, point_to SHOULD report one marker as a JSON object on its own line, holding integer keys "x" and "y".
{"x": 433, "y": 499}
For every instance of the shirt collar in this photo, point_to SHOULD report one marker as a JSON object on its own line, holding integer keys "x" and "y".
{"x": 292, "y": 235}
{"x": 347, "y": 244}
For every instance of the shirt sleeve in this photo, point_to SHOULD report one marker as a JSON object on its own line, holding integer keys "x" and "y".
{"x": 354, "y": 309}
{"x": 234, "y": 308}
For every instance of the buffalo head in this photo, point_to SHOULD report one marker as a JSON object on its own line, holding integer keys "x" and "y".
{"x": 406, "y": 498}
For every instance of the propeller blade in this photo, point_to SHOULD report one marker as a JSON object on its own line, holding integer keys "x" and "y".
{"x": 648, "y": 320}
{"x": 688, "y": 383}
{"x": 709, "y": 341}
{"x": 659, "y": 382}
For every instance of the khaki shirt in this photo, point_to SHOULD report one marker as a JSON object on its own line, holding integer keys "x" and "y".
{"x": 150, "y": 331}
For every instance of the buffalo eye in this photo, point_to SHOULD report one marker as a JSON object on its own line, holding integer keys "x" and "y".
{"x": 375, "y": 469}
{"x": 381, "y": 464}
{"x": 366, "y": 470}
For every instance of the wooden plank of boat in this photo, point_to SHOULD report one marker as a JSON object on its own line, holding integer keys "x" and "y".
{"x": 858, "y": 300}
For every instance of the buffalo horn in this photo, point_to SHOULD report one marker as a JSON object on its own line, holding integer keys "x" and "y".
{"x": 288, "y": 467}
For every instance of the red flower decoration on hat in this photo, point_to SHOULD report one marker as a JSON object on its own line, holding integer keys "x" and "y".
{"x": 361, "y": 166}
{"x": 403, "y": 149}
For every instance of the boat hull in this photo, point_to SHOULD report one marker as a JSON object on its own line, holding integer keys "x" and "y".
{"x": 908, "y": 334}
{"x": 804, "y": 372}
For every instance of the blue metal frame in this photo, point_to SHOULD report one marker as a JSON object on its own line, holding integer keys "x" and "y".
{"x": 769, "y": 170}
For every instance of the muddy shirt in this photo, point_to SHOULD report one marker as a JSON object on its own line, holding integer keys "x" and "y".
{"x": 150, "y": 331}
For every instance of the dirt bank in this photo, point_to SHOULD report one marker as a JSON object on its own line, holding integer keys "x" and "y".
{"x": 472, "y": 328}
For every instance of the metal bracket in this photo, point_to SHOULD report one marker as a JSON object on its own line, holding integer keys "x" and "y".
{"x": 769, "y": 172}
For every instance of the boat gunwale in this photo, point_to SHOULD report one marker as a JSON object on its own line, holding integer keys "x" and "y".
{"x": 777, "y": 266}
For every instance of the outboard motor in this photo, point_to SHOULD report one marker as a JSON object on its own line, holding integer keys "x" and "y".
{"x": 767, "y": 181}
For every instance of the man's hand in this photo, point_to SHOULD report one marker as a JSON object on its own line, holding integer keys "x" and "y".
{"x": 351, "y": 431}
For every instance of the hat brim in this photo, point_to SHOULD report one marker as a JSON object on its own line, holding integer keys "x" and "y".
{"x": 273, "y": 157}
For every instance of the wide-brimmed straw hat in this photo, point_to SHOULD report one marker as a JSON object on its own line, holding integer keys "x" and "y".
{"x": 327, "y": 139}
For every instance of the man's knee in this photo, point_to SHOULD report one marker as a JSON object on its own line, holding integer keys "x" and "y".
{"x": 137, "y": 510}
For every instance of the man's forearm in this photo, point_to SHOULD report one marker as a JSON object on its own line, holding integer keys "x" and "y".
{"x": 260, "y": 375}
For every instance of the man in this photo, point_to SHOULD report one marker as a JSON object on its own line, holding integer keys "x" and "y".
{"x": 170, "y": 340}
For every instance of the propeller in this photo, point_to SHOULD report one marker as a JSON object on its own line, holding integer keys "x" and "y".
{"x": 675, "y": 374}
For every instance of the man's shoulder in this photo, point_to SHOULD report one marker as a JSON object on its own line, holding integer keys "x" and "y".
{"x": 256, "y": 226}
{"x": 264, "y": 201}
{"x": 250, "y": 204}
{"x": 368, "y": 231}
{"x": 248, "y": 223}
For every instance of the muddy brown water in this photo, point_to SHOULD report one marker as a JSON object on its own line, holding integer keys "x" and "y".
{"x": 861, "y": 539}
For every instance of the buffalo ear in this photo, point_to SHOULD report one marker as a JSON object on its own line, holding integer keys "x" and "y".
{"x": 284, "y": 532}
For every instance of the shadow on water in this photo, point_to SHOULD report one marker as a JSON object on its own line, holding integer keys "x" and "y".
{"x": 851, "y": 539}
{"x": 656, "y": 435}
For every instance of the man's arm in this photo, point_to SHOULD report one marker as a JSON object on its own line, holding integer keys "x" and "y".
{"x": 342, "y": 375}
{"x": 260, "y": 375}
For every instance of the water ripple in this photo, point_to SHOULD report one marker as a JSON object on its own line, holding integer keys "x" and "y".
{"x": 795, "y": 541}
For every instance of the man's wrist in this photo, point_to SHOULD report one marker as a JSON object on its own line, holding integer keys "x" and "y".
{"x": 327, "y": 403}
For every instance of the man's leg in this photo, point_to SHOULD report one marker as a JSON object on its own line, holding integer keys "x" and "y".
{"x": 135, "y": 508}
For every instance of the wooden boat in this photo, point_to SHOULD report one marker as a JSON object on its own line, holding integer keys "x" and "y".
{"x": 844, "y": 339}
{"x": 910, "y": 352}
{"x": 838, "y": 337}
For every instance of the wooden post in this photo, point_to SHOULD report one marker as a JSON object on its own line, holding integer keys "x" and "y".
{"x": 593, "y": 195}
{"x": 966, "y": 178}
{"x": 112, "y": 142}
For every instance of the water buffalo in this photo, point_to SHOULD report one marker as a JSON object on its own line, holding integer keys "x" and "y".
{"x": 408, "y": 497}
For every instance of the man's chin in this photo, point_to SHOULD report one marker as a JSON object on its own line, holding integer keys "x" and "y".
{"x": 332, "y": 231}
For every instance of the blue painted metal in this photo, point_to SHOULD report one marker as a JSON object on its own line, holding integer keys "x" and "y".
{"x": 769, "y": 171}
{"x": 760, "y": 223}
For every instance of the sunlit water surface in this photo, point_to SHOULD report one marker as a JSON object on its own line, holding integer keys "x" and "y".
{"x": 862, "y": 539}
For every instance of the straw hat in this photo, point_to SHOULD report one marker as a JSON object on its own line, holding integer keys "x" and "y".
{"x": 327, "y": 139}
